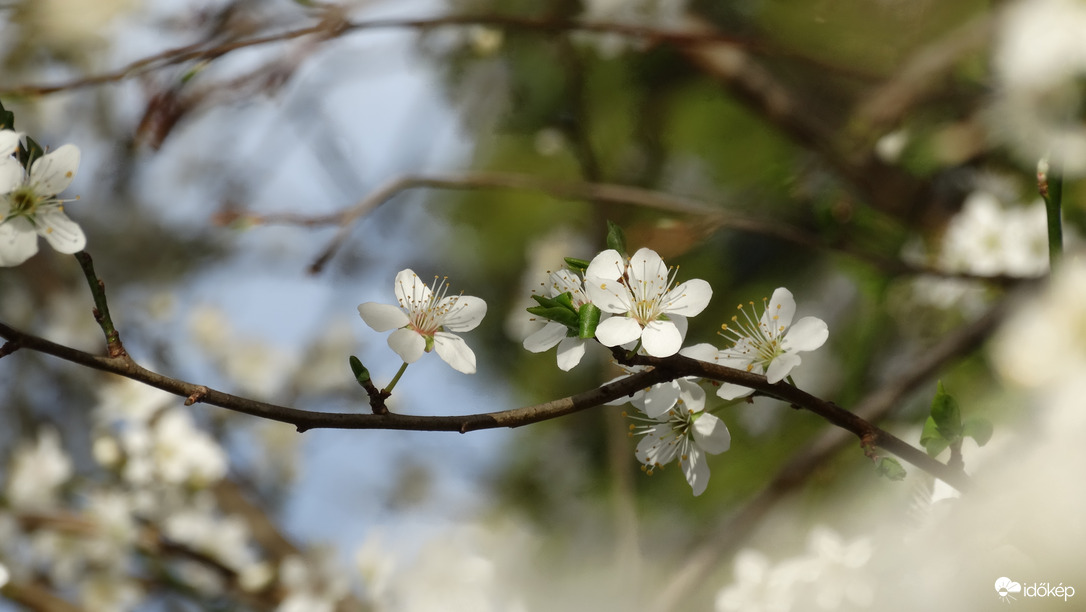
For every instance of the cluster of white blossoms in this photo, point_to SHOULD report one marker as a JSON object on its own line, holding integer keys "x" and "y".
{"x": 830, "y": 575}
{"x": 28, "y": 202}
{"x": 631, "y": 302}
{"x": 1039, "y": 62}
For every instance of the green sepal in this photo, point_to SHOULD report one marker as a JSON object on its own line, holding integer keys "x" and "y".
{"x": 7, "y": 119}
{"x": 32, "y": 151}
{"x": 616, "y": 238}
{"x": 577, "y": 265}
{"x": 890, "y": 468}
{"x": 361, "y": 374}
{"x": 946, "y": 414}
{"x": 931, "y": 439}
{"x": 979, "y": 429}
{"x": 588, "y": 317}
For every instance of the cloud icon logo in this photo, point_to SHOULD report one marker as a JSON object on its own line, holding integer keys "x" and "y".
{"x": 1005, "y": 586}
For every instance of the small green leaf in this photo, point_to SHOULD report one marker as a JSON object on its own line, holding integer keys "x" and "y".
{"x": 361, "y": 374}
{"x": 577, "y": 265}
{"x": 890, "y": 468}
{"x": 7, "y": 119}
{"x": 31, "y": 152}
{"x": 616, "y": 238}
{"x": 979, "y": 429}
{"x": 931, "y": 439}
{"x": 565, "y": 300}
{"x": 947, "y": 416}
{"x": 561, "y": 315}
{"x": 588, "y": 317}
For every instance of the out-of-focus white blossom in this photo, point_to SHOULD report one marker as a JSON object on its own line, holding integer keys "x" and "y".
{"x": 1039, "y": 66}
{"x": 37, "y": 471}
{"x": 828, "y": 576}
{"x": 988, "y": 238}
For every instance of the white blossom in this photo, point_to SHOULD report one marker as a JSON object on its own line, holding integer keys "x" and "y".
{"x": 649, "y": 307}
{"x": 769, "y": 344}
{"x": 28, "y": 203}
{"x": 685, "y": 433}
{"x": 570, "y": 348}
{"x": 423, "y": 320}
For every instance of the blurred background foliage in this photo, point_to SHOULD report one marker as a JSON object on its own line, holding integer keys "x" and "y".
{"x": 780, "y": 120}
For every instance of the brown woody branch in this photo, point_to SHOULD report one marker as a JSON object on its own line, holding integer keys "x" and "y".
{"x": 665, "y": 369}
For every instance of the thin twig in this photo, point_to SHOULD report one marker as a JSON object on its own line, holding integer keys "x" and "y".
{"x": 332, "y": 28}
{"x": 101, "y": 306}
{"x": 712, "y": 216}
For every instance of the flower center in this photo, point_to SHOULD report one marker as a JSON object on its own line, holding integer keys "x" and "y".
{"x": 647, "y": 294}
{"x": 758, "y": 341}
{"x": 24, "y": 202}
{"x": 428, "y": 316}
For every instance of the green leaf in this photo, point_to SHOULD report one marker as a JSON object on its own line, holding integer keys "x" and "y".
{"x": 616, "y": 238}
{"x": 7, "y": 119}
{"x": 577, "y": 265}
{"x": 361, "y": 374}
{"x": 931, "y": 439}
{"x": 559, "y": 314}
{"x": 588, "y": 317}
{"x": 32, "y": 151}
{"x": 979, "y": 429}
{"x": 890, "y": 468}
{"x": 947, "y": 416}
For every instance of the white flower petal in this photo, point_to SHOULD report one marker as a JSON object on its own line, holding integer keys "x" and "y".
{"x": 607, "y": 265}
{"x": 661, "y": 339}
{"x": 696, "y": 470}
{"x": 382, "y": 317}
{"x": 465, "y": 314}
{"x": 618, "y": 330}
{"x": 781, "y": 366}
{"x": 608, "y": 295}
{"x": 658, "y": 399}
{"x": 648, "y": 270}
{"x": 59, "y": 231}
{"x": 11, "y": 176}
{"x": 410, "y": 291}
{"x": 807, "y": 334}
{"x": 688, "y": 299}
{"x": 570, "y": 352}
{"x": 729, "y": 391}
{"x": 18, "y": 241}
{"x": 658, "y": 447}
{"x": 711, "y": 434}
{"x": 455, "y": 352}
{"x": 781, "y": 309}
{"x": 692, "y": 395}
{"x": 546, "y": 338}
{"x": 701, "y": 352}
{"x": 408, "y": 344}
{"x": 9, "y": 141}
{"x": 54, "y": 172}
